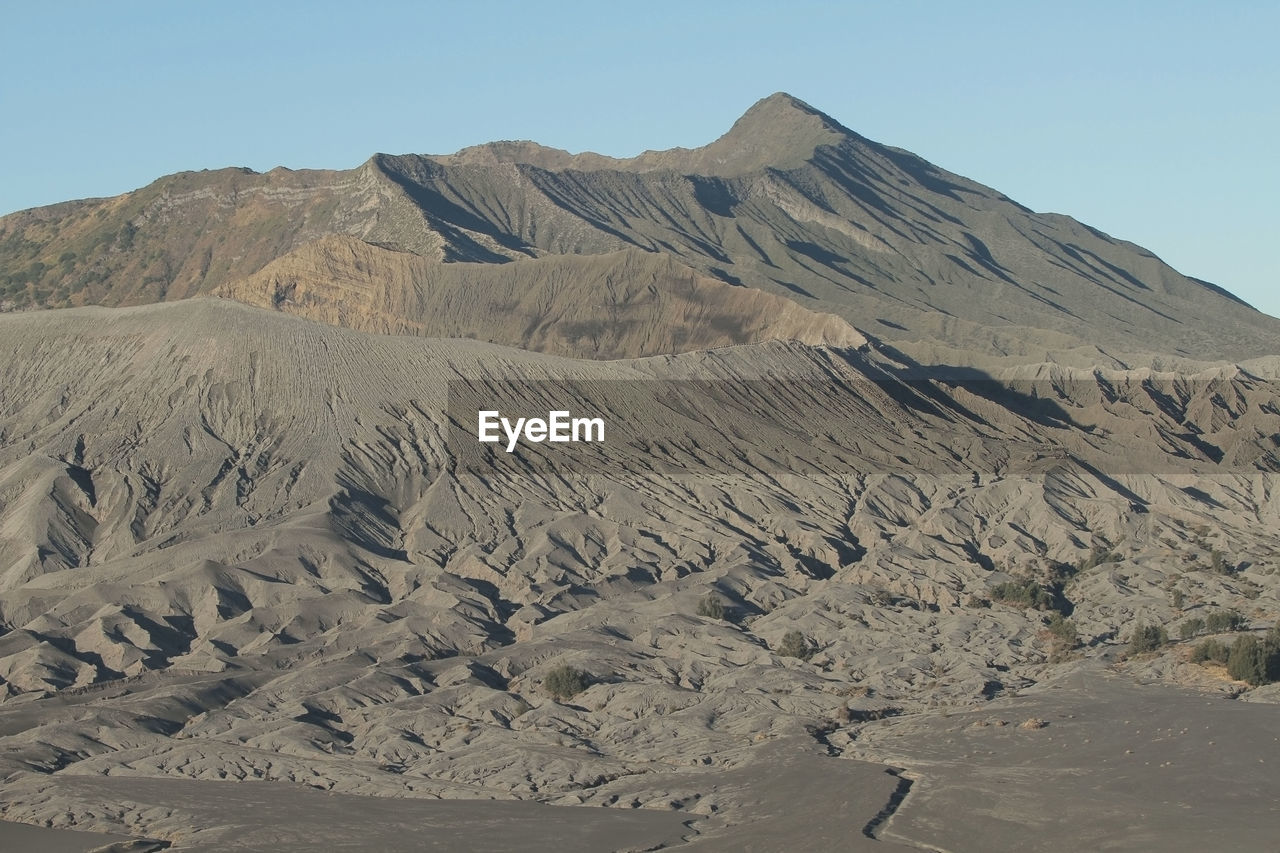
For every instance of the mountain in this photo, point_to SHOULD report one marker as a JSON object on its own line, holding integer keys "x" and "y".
{"x": 941, "y": 269}
{"x": 905, "y": 494}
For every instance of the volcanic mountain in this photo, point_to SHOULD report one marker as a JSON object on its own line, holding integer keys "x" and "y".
{"x": 915, "y": 522}
{"x": 789, "y": 202}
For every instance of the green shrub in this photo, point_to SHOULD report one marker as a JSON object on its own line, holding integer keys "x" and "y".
{"x": 1255, "y": 661}
{"x": 1063, "y": 631}
{"x": 1247, "y": 661}
{"x": 1190, "y": 627}
{"x": 1147, "y": 638}
{"x": 1097, "y": 557}
{"x": 1210, "y": 650}
{"x": 1224, "y": 620}
{"x": 795, "y": 645}
{"x": 1024, "y": 593}
{"x": 1177, "y": 598}
{"x": 564, "y": 682}
{"x": 711, "y": 607}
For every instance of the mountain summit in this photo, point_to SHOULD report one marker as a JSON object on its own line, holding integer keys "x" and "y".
{"x": 779, "y": 131}
{"x": 776, "y": 132}
{"x": 939, "y": 268}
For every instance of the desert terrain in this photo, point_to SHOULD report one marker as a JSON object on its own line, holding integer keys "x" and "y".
{"x": 916, "y": 517}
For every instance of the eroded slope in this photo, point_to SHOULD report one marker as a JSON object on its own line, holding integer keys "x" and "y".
{"x": 626, "y": 304}
{"x": 240, "y": 545}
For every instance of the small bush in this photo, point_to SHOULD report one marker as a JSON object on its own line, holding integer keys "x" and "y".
{"x": 1210, "y": 651}
{"x": 1064, "y": 631}
{"x": 1255, "y": 661}
{"x": 1177, "y": 598}
{"x": 1024, "y": 593}
{"x": 795, "y": 645}
{"x": 882, "y": 598}
{"x": 1097, "y": 557}
{"x": 564, "y": 682}
{"x": 867, "y": 715}
{"x": 1247, "y": 661}
{"x": 711, "y": 607}
{"x": 1147, "y": 638}
{"x": 1224, "y": 620}
{"x": 1190, "y": 627}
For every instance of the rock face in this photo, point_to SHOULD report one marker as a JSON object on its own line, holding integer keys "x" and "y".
{"x": 788, "y": 201}
{"x": 624, "y": 304}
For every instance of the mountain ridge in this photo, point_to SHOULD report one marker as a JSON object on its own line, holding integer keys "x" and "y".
{"x": 937, "y": 267}
{"x": 776, "y": 131}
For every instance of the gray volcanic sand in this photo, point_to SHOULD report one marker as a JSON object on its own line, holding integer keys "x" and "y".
{"x": 20, "y": 836}
{"x": 794, "y": 798}
{"x": 281, "y": 817}
{"x": 237, "y": 545}
{"x": 1118, "y": 767}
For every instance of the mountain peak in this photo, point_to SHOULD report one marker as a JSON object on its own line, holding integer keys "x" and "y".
{"x": 779, "y": 131}
{"x": 783, "y": 108}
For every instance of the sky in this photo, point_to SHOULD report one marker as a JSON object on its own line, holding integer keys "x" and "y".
{"x": 1155, "y": 122}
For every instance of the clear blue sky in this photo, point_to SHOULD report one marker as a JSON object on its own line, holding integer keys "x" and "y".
{"x": 1156, "y": 122}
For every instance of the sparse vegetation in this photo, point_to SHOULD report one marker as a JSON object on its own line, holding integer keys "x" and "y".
{"x": 1256, "y": 661}
{"x": 1220, "y": 621}
{"x": 1210, "y": 651}
{"x": 565, "y": 682}
{"x": 845, "y": 714}
{"x": 882, "y": 598}
{"x": 1065, "y": 637}
{"x": 1249, "y": 659}
{"x": 711, "y": 607}
{"x": 1177, "y": 598}
{"x": 1190, "y": 627}
{"x": 795, "y": 645}
{"x": 1097, "y": 557}
{"x": 1064, "y": 631}
{"x": 1023, "y": 593}
{"x": 1039, "y": 587}
{"x": 1147, "y": 638}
